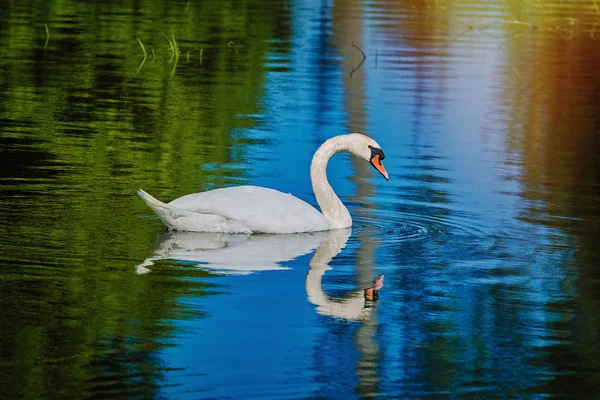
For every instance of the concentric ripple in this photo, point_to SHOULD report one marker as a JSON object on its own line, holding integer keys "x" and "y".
{"x": 390, "y": 231}
{"x": 392, "y": 227}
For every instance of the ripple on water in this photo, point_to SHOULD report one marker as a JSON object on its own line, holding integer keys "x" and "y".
{"x": 392, "y": 227}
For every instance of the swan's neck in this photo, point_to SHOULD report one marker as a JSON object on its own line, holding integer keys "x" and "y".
{"x": 330, "y": 203}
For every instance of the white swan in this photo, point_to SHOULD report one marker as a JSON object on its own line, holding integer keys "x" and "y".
{"x": 248, "y": 209}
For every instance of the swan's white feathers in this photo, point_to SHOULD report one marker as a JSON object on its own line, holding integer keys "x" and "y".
{"x": 248, "y": 209}
{"x": 243, "y": 209}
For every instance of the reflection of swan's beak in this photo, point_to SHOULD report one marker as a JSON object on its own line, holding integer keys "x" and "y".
{"x": 378, "y": 284}
{"x": 371, "y": 293}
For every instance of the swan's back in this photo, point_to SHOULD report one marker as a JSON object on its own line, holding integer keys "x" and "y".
{"x": 259, "y": 209}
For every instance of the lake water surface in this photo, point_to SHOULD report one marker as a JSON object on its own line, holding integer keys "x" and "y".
{"x": 486, "y": 233}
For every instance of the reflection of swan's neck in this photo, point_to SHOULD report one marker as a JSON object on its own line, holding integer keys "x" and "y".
{"x": 352, "y": 306}
{"x": 330, "y": 203}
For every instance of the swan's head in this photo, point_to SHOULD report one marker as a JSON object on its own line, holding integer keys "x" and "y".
{"x": 369, "y": 150}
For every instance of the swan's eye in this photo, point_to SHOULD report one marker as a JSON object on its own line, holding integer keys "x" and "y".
{"x": 377, "y": 152}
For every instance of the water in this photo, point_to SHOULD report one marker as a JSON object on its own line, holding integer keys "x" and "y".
{"x": 486, "y": 233}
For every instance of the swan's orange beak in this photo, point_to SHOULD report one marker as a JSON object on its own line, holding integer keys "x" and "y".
{"x": 376, "y": 162}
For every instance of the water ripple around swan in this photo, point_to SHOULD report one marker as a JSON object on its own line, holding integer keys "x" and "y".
{"x": 391, "y": 227}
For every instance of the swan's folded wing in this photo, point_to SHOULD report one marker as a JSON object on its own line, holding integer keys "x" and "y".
{"x": 261, "y": 209}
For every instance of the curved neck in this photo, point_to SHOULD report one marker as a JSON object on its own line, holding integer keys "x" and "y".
{"x": 330, "y": 203}
{"x": 352, "y": 306}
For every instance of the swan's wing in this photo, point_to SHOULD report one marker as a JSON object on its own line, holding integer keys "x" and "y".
{"x": 260, "y": 209}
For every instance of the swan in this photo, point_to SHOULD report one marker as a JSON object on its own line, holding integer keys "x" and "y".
{"x": 254, "y": 209}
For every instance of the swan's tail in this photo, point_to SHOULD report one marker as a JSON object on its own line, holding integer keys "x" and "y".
{"x": 158, "y": 206}
{"x": 168, "y": 214}
{"x": 185, "y": 220}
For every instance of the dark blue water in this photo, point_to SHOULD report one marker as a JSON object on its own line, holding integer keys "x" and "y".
{"x": 485, "y": 233}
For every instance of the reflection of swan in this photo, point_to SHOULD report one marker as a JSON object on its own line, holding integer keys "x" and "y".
{"x": 247, "y": 209}
{"x": 355, "y": 305}
{"x": 233, "y": 253}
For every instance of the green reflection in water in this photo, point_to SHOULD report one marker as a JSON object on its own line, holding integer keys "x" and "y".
{"x": 83, "y": 125}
